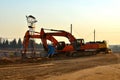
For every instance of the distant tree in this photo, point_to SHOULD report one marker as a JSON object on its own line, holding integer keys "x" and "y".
{"x": 13, "y": 44}
{"x": 6, "y": 44}
{"x": 3, "y": 44}
{"x": 19, "y": 44}
{"x": 0, "y": 44}
{"x": 116, "y": 47}
{"x": 39, "y": 45}
{"x": 31, "y": 44}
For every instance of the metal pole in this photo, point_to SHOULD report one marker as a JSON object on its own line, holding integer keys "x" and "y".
{"x": 71, "y": 28}
{"x": 94, "y": 35}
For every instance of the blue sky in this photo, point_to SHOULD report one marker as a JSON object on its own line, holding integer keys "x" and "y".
{"x": 85, "y": 15}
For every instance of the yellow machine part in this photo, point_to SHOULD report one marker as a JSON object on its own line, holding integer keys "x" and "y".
{"x": 102, "y": 45}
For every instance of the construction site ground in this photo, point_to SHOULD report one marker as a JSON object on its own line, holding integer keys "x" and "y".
{"x": 97, "y": 67}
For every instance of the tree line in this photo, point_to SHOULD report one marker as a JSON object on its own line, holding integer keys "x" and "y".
{"x": 115, "y": 48}
{"x": 6, "y": 44}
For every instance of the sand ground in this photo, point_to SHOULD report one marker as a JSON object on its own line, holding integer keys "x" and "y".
{"x": 98, "y": 67}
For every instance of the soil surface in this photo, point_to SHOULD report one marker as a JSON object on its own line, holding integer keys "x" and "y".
{"x": 97, "y": 67}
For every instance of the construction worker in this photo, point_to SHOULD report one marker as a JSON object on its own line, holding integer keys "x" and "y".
{"x": 51, "y": 51}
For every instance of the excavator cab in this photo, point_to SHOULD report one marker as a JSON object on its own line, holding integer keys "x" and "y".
{"x": 78, "y": 43}
{"x": 60, "y": 45}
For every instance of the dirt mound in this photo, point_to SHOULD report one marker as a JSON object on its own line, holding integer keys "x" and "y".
{"x": 5, "y": 60}
{"x": 110, "y": 72}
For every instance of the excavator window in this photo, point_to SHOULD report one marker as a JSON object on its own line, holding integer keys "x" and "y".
{"x": 80, "y": 41}
{"x": 78, "y": 44}
{"x": 61, "y": 45}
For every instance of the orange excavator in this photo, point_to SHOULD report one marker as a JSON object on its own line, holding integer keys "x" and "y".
{"x": 76, "y": 45}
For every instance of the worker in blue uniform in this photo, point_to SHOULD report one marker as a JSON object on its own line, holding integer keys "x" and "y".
{"x": 51, "y": 51}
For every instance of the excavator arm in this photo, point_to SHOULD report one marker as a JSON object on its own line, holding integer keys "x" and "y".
{"x": 38, "y": 35}
{"x": 62, "y": 33}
